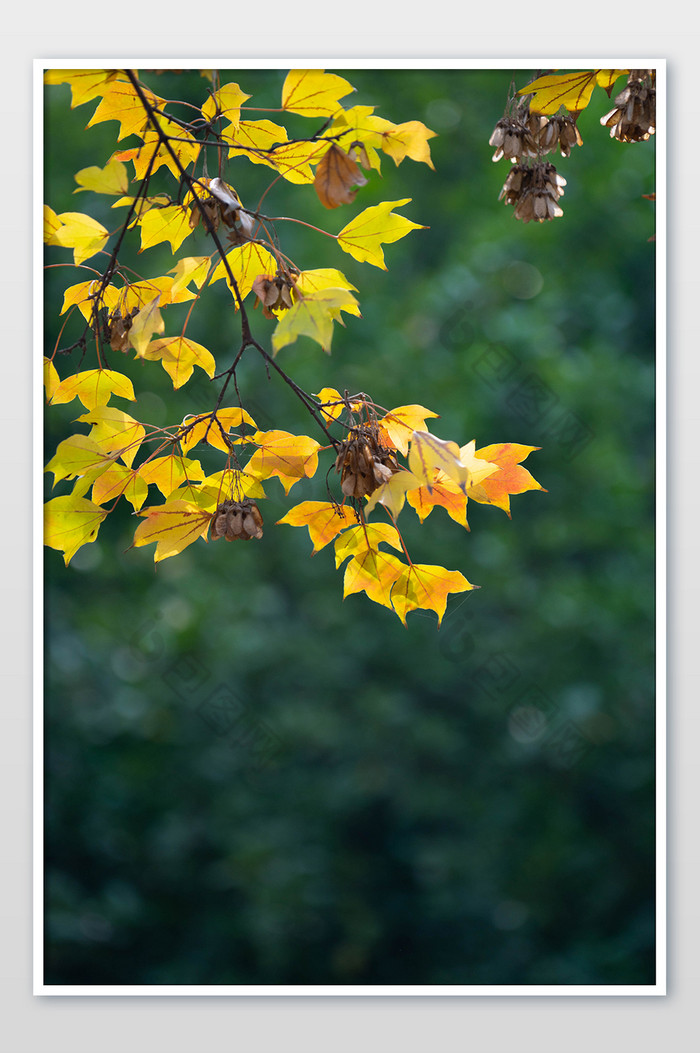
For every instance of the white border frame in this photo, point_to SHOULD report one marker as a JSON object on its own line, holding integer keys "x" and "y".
{"x": 462, "y": 990}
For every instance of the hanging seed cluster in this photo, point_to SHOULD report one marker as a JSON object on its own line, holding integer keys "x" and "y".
{"x": 535, "y": 191}
{"x": 363, "y": 463}
{"x": 633, "y": 120}
{"x": 533, "y": 186}
{"x": 237, "y": 521}
{"x": 274, "y": 292}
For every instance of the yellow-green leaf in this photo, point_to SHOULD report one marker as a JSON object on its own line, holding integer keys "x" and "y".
{"x": 76, "y": 457}
{"x": 363, "y": 237}
{"x": 313, "y": 317}
{"x": 70, "y": 522}
{"x": 119, "y": 480}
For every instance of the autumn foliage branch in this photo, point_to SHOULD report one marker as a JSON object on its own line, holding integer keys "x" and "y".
{"x": 384, "y": 459}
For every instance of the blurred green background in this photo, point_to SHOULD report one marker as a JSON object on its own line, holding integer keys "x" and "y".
{"x": 250, "y": 781}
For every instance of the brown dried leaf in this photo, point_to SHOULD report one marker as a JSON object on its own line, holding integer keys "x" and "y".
{"x": 337, "y": 178}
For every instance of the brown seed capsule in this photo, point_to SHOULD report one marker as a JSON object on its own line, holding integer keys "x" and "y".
{"x": 237, "y": 521}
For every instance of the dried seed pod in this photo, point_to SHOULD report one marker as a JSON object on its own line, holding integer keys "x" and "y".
{"x": 117, "y": 330}
{"x": 237, "y": 521}
{"x": 633, "y": 119}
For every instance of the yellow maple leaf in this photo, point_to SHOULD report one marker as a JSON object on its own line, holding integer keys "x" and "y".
{"x": 119, "y": 480}
{"x": 115, "y": 432}
{"x": 172, "y": 526}
{"x": 571, "y": 90}
{"x": 253, "y": 139}
{"x": 289, "y": 457}
{"x": 426, "y": 587}
{"x": 323, "y": 519}
{"x": 154, "y": 154}
{"x": 399, "y": 424}
{"x": 85, "y": 84}
{"x": 511, "y": 479}
{"x": 82, "y": 295}
{"x": 212, "y": 431}
{"x": 226, "y": 102}
{"x": 178, "y": 356}
{"x": 147, "y": 322}
{"x": 363, "y": 236}
{"x": 94, "y": 387}
{"x": 78, "y": 457}
{"x": 51, "y": 378}
{"x": 168, "y": 472}
{"x": 246, "y": 263}
{"x": 81, "y": 233}
{"x": 405, "y": 140}
{"x": 443, "y": 492}
{"x": 112, "y": 179}
{"x": 70, "y": 522}
{"x": 120, "y": 102}
{"x": 171, "y": 223}
{"x": 366, "y": 537}
{"x": 375, "y": 573}
{"x": 313, "y": 317}
{"x": 313, "y": 92}
{"x": 393, "y": 493}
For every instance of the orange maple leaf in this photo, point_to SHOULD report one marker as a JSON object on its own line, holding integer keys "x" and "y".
{"x": 512, "y": 479}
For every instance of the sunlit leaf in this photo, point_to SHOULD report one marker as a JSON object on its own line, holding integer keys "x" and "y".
{"x": 393, "y": 493}
{"x": 76, "y": 457}
{"x": 570, "y": 90}
{"x": 313, "y": 317}
{"x": 172, "y": 526}
{"x": 323, "y": 519}
{"x": 289, "y": 457}
{"x": 511, "y": 479}
{"x": 363, "y": 538}
{"x": 178, "y": 356}
{"x": 313, "y": 93}
{"x": 112, "y": 179}
{"x": 147, "y": 322}
{"x": 171, "y": 223}
{"x": 444, "y": 493}
{"x": 70, "y": 522}
{"x": 115, "y": 432}
{"x": 94, "y": 387}
{"x": 375, "y": 573}
{"x": 51, "y": 378}
{"x": 226, "y": 102}
{"x": 425, "y": 587}
{"x": 119, "y": 481}
{"x": 212, "y": 431}
{"x": 81, "y": 233}
{"x": 169, "y": 472}
{"x": 363, "y": 236}
{"x": 246, "y": 263}
{"x": 405, "y": 140}
{"x": 85, "y": 84}
{"x": 399, "y": 424}
{"x": 120, "y": 102}
{"x": 83, "y": 294}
